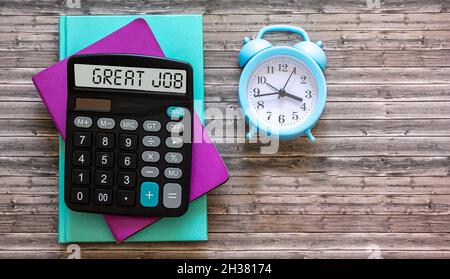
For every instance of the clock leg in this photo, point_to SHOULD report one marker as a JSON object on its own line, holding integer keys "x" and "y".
{"x": 251, "y": 132}
{"x": 310, "y": 136}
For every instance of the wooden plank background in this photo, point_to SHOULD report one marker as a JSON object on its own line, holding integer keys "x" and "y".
{"x": 378, "y": 175}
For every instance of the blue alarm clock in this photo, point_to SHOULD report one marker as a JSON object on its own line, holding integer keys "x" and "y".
{"x": 282, "y": 90}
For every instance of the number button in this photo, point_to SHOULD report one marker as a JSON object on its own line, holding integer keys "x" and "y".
{"x": 128, "y": 142}
{"x": 127, "y": 160}
{"x": 103, "y": 178}
{"x": 105, "y": 140}
{"x": 126, "y": 179}
{"x": 103, "y": 196}
{"x": 81, "y": 177}
{"x": 80, "y": 195}
{"x": 126, "y": 198}
{"x": 174, "y": 142}
{"x": 104, "y": 159}
{"x": 82, "y": 139}
{"x": 81, "y": 158}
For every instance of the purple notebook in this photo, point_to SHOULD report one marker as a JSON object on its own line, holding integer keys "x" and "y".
{"x": 208, "y": 168}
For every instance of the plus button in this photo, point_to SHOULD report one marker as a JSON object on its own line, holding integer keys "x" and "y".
{"x": 149, "y": 194}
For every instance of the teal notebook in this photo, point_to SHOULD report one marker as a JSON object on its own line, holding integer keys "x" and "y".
{"x": 78, "y": 32}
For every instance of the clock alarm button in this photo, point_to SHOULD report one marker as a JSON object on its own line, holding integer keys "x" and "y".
{"x": 152, "y": 126}
{"x": 128, "y": 124}
{"x": 106, "y": 123}
{"x": 151, "y": 141}
{"x": 82, "y": 122}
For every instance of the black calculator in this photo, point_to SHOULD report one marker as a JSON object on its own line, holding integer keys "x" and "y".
{"x": 128, "y": 135}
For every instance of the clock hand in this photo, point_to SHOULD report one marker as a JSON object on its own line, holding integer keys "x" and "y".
{"x": 282, "y": 92}
{"x": 289, "y": 78}
{"x": 292, "y": 96}
{"x": 262, "y": 95}
{"x": 273, "y": 87}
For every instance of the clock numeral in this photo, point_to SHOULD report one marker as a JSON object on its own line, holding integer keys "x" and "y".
{"x": 282, "y": 67}
{"x": 303, "y": 107}
{"x": 269, "y": 114}
{"x": 270, "y": 69}
{"x": 260, "y": 105}
{"x": 256, "y": 91}
{"x": 281, "y": 118}
{"x": 261, "y": 80}
{"x": 308, "y": 94}
{"x": 303, "y": 79}
{"x": 295, "y": 115}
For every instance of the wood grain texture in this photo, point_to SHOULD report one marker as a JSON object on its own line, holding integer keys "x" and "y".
{"x": 379, "y": 172}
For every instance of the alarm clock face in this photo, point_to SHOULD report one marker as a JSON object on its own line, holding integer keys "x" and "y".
{"x": 282, "y": 92}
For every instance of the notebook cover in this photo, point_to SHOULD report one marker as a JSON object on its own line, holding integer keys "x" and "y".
{"x": 78, "y": 34}
{"x": 93, "y": 228}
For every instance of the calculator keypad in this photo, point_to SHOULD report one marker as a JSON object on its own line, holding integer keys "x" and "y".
{"x": 129, "y": 165}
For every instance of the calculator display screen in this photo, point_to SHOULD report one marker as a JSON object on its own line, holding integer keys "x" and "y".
{"x": 131, "y": 78}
